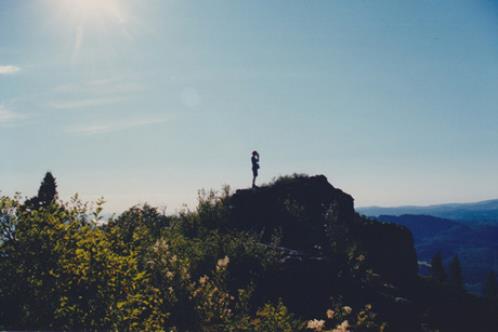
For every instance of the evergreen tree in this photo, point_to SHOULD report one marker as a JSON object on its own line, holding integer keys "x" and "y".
{"x": 437, "y": 269}
{"x": 455, "y": 273}
{"x": 490, "y": 287}
{"x": 47, "y": 192}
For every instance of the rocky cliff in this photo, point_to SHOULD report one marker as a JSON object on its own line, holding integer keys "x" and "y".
{"x": 311, "y": 216}
{"x": 326, "y": 247}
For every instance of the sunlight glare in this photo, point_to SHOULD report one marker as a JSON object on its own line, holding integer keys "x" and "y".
{"x": 92, "y": 20}
{"x": 96, "y": 10}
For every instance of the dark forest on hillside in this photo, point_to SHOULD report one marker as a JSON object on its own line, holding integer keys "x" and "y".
{"x": 475, "y": 245}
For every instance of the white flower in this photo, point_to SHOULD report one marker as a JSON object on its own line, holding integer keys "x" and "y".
{"x": 347, "y": 310}
{"x": 203, "y": 280}
{"x": 316, "y": 325}
{"x": 223, "y": 262}
{"x": 330, "y": 313}
{"x": 343, "y": 327}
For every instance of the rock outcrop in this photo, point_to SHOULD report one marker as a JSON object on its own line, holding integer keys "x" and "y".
{"x": 295, "y": 206}
{"x": 326, "y": 247}
{"x": 328, "y": 252}
{"x": 308, "y": 214}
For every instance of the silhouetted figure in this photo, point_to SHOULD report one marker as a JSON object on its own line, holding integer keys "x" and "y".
{"x": 255, "y": 167}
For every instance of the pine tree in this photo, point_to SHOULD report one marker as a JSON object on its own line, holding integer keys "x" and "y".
{"x": 455, "y": 273}
{"x": 490, "y": 287}
{"x": 437, "y": 269}
{"x": 47, "y": 193}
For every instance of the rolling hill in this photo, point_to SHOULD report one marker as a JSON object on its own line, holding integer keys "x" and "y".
{"x": 484, "y": 212}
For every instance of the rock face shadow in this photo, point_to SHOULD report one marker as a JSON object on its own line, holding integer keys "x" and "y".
{"x": 318, "y": 231}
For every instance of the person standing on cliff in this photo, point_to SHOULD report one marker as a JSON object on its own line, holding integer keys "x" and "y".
{"x": 255, "y": 167}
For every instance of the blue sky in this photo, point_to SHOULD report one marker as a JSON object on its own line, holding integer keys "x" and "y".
{"x": 394, "y": 101}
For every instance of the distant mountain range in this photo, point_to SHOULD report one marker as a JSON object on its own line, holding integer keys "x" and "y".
{"x": 484, "y": 212}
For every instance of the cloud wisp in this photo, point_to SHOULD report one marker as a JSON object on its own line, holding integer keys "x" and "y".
{"x": 81, "y": 103}
{"x": 5, "y": 70}
{"x": 101, "y": 92}
{"x": 7, "y": 116}
{"x": 104, "y": 128}
{"x": 101, "y": 86}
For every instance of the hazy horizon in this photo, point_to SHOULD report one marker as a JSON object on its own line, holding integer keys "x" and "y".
{"x": 430, "y": 205}
{"x": 395, "y": 102}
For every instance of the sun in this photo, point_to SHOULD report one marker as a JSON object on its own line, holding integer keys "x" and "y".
{"x": 95, "y": 10}
{"x": 92, "y": 22}
{"x": 94, "y": 5}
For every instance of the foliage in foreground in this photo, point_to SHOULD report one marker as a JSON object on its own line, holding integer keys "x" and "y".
{"x": 62, "y": 268}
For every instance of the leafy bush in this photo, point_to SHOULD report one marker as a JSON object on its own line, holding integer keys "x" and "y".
{"x": 61, "y": 268}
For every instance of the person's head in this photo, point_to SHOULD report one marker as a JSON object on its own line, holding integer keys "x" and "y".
{"x": 255, "y": 153}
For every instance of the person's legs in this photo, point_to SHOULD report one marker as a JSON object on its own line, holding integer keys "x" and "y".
{"x": 254, "y": 176}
